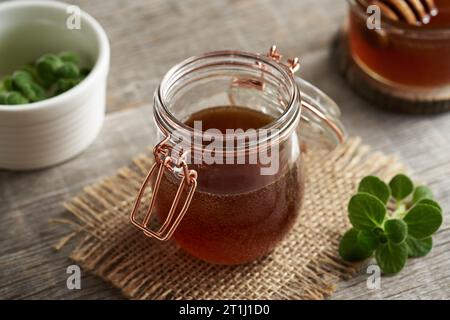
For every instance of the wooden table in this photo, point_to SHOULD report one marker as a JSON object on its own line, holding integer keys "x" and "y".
{"x": 148, "y": 37}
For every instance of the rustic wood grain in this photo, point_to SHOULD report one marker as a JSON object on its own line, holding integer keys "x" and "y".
{"x": 147, "y": 38}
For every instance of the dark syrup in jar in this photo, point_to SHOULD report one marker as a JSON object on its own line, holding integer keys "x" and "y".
{"x": 401, "y": 58}
{"x": 236, "y": 215}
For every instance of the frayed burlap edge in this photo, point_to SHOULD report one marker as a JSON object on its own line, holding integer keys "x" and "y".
{"x": 306, "y": 265}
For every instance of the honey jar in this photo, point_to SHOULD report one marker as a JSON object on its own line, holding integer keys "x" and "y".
{"x": 405, "y": 61}
{"x": 228, "y": 180}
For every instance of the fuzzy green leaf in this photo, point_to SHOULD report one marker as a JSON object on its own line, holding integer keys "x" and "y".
{"x": 391, "y": 257}
{"x": 422, "y": 192}
{"x": 349, "y": 248}
{"x": 366, "y": 212}
{"x": 396, "y": 230}
{"x": 423, "y": 220}
{"x": 15, "y": 97}
{"x": 3, "y": 97}
{"x": 24, "y": 82}
{"x": 367, "y": 240}
{"x": 68, "y": 56}
{"x": 376, "y": 187}
{"x": 69, "y": 70}
{"x": 418, "y": 248}
{"x": 47, "y": 67}
{"x": 8, "y": 83}
{"x": 431, "y": 203}
{"x": 401, "y": 186}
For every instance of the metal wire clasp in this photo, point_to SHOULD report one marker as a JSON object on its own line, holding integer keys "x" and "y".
{"x": 163, "y": 161}
{"x": 292, "y": 64}
{"x": 259, "y": 84}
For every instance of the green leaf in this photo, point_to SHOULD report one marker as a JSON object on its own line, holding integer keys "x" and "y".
{"x": 4, "y": 97}
{"x": 15, "y": 97}
{"x": 401, "y": 186}
{"x": 68, "y": 56}
{"x": 24, "y": 82}
{"x": 349, "y": 249}
{"x": 392, "y": 257}
{"x": 8, "y": 83}
{"x": 422, "y": 192}
{"x": 47, "y": 66}
{"x": 423, "y": 220}
{"x": 63, "y": 85}
{"x": 366, "y": 212}
{"x": 376, "y": 187}
{"x": 431, "y": 203}
{"x": 418, "y": 248}
{"x": 68, "y": 70}
{"x": 396, "y": 230}
{"x": 30, "y": 69}
{"x": 367, "y": 240}
{"x": 381, "y": 235}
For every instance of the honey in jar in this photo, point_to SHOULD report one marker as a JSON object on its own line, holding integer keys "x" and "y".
{"x": 236, "y": 215}
{"x": 404, "y": 55}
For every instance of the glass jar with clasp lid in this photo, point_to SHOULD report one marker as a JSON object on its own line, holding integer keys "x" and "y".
{"x": 228, "y": 179}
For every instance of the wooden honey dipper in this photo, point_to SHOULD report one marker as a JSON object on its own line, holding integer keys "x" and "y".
{"x": 413, "y": 12}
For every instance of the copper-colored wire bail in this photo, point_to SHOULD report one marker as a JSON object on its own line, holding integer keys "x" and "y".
{"x": 294, "y": 65}
{"x": 163, "y": 161}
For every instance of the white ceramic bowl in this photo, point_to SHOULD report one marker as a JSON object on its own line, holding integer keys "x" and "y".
{"x": 48, "y": 132}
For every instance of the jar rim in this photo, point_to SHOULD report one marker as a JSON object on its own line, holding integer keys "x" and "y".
{"x": 404, "y": 29}
{"x": 286, "y": 121}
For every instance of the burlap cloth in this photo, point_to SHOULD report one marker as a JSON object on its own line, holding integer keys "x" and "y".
{"x": 306, "y": 265}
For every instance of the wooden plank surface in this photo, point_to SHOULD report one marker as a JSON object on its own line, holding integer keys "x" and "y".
{"x": 147, "y": 38}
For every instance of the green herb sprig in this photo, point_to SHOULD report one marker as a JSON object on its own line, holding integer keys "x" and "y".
{"x": 393, "y": 222}
{"x": 49, "y": 76}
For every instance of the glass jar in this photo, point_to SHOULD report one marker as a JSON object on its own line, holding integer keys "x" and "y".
{"x": 413, "y": 60}
{"x": 233, "y": 203}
